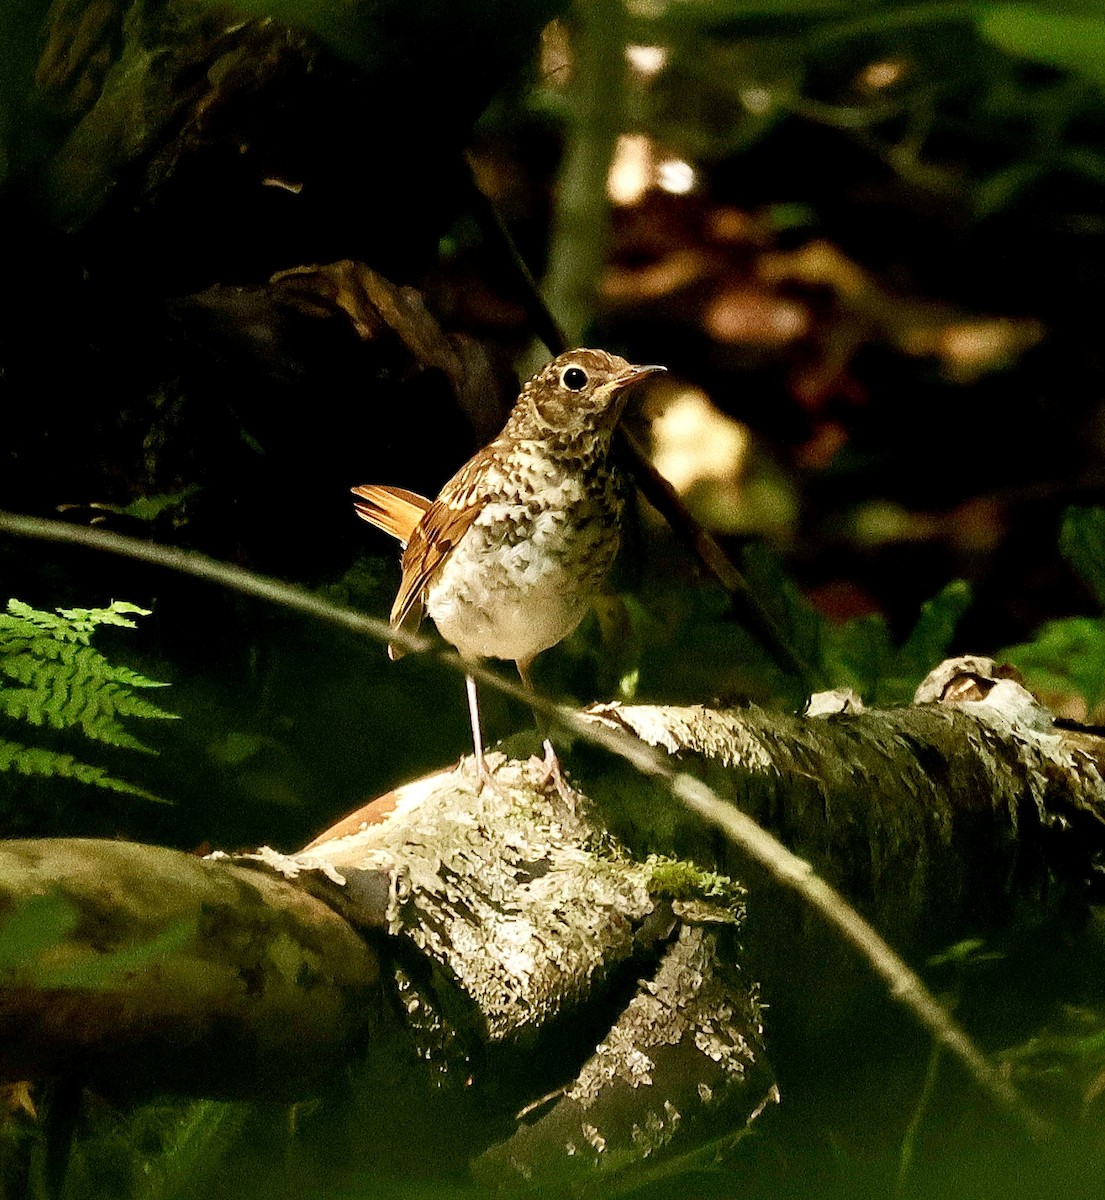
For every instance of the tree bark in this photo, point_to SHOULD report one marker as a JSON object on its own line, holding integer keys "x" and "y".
{"x": 498, "y": 963}
{"x": 526, "y": 963}
{"x": 969, "y": 814}
{"x": 135, "y": 968}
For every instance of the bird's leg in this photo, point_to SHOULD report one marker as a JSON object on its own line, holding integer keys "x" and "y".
{"x": 552, "y": 772}
{"x": 483, "y": 774}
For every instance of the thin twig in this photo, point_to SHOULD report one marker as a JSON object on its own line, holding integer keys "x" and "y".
{"x": 705, "y": 547}
{"x": 654, "y": 487}
{"x": 903, "y": 984}
{"x": 913, "y": 1129}
{"x": 499, "y": 240}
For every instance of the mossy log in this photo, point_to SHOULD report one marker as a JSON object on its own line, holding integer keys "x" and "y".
{"x": 928, "y": 817}
{"x": 970, "y": 814}
{"x": 525, "y": 964}
{"x": 133, "y": 968}
{"x": 499, "y": 965}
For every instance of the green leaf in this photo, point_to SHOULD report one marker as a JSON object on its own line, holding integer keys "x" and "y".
{"x": 149, "y": 508}
{"x": 860, "y": 654}
{"x": 965, "y": 954}
{"x": 34, "y": 760}
{"x": 1000, "y": 189}
{"x": 118, "y": 612}
{"x": 63, "y": 683}
{"x": 237, "y": 748}
{"x": 857, "y": 653}
{"x": 66, "y": 624}
{"x": 799, "y": 623}
{"x": 1082, "y": 543}
{"x": 1067, "y": 656}
{"x": 73, "y": 686}
{"x": 927, "y": 645}
{"x": 1072, "y": 41}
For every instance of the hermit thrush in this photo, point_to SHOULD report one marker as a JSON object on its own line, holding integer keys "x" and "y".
{"x": 509, "y": 556}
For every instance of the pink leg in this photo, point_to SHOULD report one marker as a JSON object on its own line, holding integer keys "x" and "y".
{"x": 554, "y": 775}
{"x": 483, "y": 775}
{"x": 552, "y": 772}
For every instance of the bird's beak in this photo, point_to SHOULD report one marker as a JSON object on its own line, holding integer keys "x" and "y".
{"x": 635, "y": 375}
{"x": 614, "y": 394}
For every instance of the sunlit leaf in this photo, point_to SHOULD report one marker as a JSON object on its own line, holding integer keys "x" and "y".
{"x": 1067, "y": 657}
{"x": 1072, "y": 41}
{"x": 965, "y": 954}
{"x": 50, "y": 676}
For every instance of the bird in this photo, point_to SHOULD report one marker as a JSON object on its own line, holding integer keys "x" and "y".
{"x": 508, "y": 558}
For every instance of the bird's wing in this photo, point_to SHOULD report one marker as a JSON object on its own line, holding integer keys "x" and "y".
{"x": 433, "y": 539}
{"x": 392, "y": 509}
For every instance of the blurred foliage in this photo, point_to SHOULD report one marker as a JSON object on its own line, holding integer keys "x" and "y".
{"x": 61, "y": 682}
{"x": 384, "y": 33}
{"x": 1082, "y": 541}
{"x": 892, "y": 76}
{"x": 885, "y": 269}
{"x": 687, "y": 645}
{"x": 171, "y": 1149}
{"x": 34, "y": 927}
{"x": 20, "y": 22}
{"x": 861, "y": 653}
{"x": 90, "y": 88}
{"x": 1067, "y": 656}
{"x": 1069, "y": 36}
{"x": 867, "y": 233}
{"x": 150, "y": 508}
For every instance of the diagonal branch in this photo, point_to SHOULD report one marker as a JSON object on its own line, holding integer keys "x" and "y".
{"x": 903, "y": 984}
{"x": 653, "y": 486}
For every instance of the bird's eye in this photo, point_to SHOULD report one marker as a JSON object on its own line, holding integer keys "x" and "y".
{"x": 574, "y": 379}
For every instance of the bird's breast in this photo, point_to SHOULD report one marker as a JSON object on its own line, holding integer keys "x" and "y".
{"x": 524, "y": 573}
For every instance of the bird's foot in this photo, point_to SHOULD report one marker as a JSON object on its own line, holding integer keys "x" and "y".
{"x": 551, "y": 773}
{"x": 485, "y": 777}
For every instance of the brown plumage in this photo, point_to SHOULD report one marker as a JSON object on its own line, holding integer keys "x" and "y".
{"x": 508, "y": 557}
{"x": 392, "y": 509}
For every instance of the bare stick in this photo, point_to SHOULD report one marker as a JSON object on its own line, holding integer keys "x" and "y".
{"x": 654, "y": 487}
{"x": 903, "y": 984}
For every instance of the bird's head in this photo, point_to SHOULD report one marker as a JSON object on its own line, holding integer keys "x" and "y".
{"x": 581, "y": 393}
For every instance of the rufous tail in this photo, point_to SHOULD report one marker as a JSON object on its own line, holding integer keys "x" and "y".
{"x": 392, "y": 509}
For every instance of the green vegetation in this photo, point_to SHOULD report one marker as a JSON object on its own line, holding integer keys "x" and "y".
{"x": 57, "y": 680}
{"x": 1067, "y": 656}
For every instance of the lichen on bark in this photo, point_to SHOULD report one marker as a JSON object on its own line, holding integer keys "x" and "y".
{"x": 540, "y": 927}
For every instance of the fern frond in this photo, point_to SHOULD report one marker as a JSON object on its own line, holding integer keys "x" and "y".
{"x": 118, "y": 612}
{"x": 33, "y": 760}
{"x": 67, "y": 624}
{"x": 67, "y": 683}
{"x": 23, "y": 644}
{"x": 62, "y": 682}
